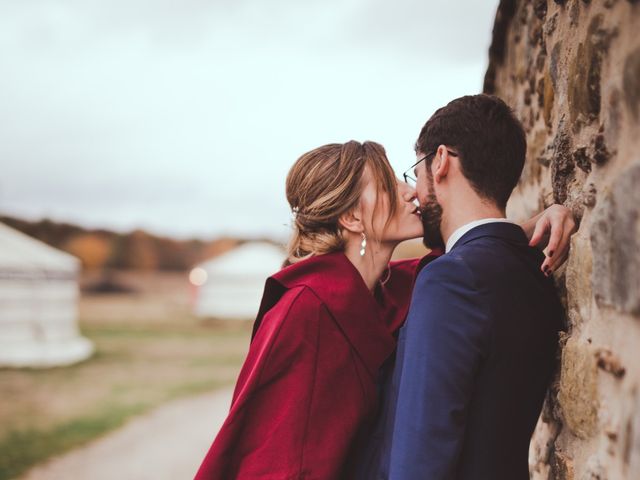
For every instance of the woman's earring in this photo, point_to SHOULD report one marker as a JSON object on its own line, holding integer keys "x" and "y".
{"x": 363, "y": 244}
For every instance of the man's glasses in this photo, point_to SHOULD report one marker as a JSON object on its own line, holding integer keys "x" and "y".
{"x": 410, "y": 176}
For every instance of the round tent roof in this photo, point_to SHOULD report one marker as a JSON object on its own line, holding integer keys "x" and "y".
{"x": 20, "y": 253}
{"x": 250, "y": 258}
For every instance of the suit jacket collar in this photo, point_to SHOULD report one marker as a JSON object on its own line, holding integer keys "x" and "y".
{"x": 395, "y": 294}
{"x": 504, "y": 230}
{"x": 460, "y": 231}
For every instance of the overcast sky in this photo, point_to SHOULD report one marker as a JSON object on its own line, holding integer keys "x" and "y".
{"x": 184, "y": 117}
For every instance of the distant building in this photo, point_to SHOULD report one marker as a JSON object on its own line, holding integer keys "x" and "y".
{"x": 38, "y": 304}
{"x": 230, "y": 286}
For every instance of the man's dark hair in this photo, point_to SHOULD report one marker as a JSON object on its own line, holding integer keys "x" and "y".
{"x": 489, "y": 139}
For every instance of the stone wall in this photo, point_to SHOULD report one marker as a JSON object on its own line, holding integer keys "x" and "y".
{"x": 571, "y": 71}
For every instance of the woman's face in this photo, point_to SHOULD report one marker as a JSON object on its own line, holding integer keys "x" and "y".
{"x": 403, "y": 225}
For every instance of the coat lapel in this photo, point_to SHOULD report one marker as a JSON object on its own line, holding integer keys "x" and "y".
{"x": 368, "y": 322}
{"x": 339, "y": 285}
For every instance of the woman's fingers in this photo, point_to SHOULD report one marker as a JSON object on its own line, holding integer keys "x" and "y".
{"x": 563, "y": 251}
{"x": 556, "y": 235}
{"x": 539, "y": 232}
{"x": 547, "y": 266}
{"x": 561, "y": 259}
{"x": 558, "y": 225}
{"x": 552, "y": 263}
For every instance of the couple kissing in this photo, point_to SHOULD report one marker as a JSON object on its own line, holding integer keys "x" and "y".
{"x": 365, "y": 368}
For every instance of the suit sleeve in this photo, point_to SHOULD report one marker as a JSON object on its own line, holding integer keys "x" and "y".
{"x": 446, "y": 337}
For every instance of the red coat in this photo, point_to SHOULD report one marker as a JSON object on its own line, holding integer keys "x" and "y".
{"x": 307, "y": 389}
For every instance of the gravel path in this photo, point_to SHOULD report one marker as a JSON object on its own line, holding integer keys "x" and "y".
{"x": 167, "y": 443}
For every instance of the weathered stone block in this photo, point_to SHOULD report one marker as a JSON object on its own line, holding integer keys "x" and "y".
{"x": 574, "y": 12}
{"x": 578, "y": 392}
{"x": 630, "y": 434}
{"x": 594, "y": 469}
{"x": 613, "y": 124}
{"x": 615, "y": 241}
{"x": 553, "y": 64}
{"x": 550, "y": 25}
{"x": 585, "y": 74}
{"x": 578, "y": 280}
{"x": 590, "y": 197}
{"x": 540, "y": 9}
{"x": 548, "y": 98}
{"x": 579, "y": 78}
{"x": 563, "y": 166}
{"x": 561, "y": 467}
{"x": 535, "y": 148}
{"x": 600, "y": 151}
{"x": 581, "y": 159}
{"x": 610, "y": 362}
{"x": 634, "y": 455}
{"x": 631, "y": 82}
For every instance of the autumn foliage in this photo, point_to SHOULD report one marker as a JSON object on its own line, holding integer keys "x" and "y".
{"x": 137, "y": 250}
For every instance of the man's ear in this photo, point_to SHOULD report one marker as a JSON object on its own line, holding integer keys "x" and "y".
{"x": 441, "y": 164}
{"x": 352, "y": 221}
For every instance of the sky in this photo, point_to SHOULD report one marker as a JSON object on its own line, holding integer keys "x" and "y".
{"x": 183, "y": 118}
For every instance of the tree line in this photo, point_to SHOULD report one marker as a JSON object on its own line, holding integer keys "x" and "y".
{"x": 100, "y": 249}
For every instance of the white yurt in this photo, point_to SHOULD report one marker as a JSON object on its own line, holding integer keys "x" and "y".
{"x": 230, "y": 286}
{"x": 38, "y": 304}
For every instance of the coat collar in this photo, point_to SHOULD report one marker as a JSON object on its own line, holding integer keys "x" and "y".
{"x": 339, "y": 285}
{"x": 504, "y": 230}
{"x": 367, "y": 321}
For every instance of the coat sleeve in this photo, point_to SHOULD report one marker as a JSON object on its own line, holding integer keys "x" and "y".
{"x": 445, "y": 339}
{"x": 262, "y": 436}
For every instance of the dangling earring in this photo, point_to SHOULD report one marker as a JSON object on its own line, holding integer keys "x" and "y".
{"x": 363, "y": 244}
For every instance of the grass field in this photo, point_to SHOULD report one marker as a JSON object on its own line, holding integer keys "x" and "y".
{"x": 149, "y": 350}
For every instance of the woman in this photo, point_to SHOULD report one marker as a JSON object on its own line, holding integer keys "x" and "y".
{"x": 308, "y": 388}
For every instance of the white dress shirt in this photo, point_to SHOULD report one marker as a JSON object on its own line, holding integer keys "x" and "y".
{"x": 459, "y": 232}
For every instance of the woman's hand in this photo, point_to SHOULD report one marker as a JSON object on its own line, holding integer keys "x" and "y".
{"x": 552, "y": 228}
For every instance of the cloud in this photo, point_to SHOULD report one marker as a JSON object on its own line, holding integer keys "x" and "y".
{"x": 185, "y": 116}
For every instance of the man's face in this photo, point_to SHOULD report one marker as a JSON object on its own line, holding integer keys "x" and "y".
{"x": 431, "y": 210}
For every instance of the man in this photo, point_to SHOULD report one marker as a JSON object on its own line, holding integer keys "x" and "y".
{"x": 478, "y": 349}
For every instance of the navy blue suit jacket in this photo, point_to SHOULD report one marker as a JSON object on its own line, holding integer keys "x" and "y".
{"x": 474, "y": 361}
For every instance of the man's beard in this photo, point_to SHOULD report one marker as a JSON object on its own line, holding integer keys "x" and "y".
{"x": 431, "y": 214}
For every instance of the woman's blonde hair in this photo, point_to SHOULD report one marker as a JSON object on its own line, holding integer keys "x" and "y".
{"x": 327, "y": 182}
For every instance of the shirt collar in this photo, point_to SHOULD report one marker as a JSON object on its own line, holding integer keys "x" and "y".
{"x": 459, "y": 232}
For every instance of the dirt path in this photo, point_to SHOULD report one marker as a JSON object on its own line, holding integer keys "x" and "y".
{"x": 168, "y": 443}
